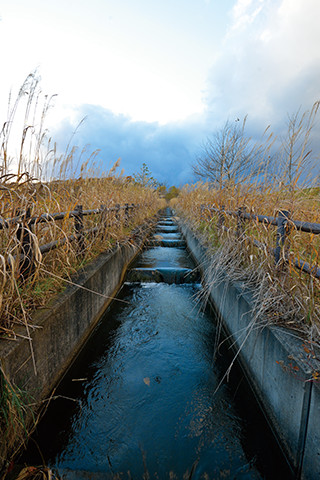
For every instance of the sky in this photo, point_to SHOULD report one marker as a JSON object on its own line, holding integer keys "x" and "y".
{"x": 153, "y": 79}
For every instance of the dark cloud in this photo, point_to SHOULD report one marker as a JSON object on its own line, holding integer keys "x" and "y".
{"x": 168, "y": 150}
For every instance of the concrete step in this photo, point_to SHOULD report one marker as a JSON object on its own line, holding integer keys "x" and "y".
{"x": 164, "y": 274}
{"x": 166, "y": 243}
{"x": 167, "y": 229}
{"x": 167, "y": 236}
{"x": 166, "y": 223}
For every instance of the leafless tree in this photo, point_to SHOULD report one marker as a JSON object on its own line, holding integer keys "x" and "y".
{"x": 227, "y": 157}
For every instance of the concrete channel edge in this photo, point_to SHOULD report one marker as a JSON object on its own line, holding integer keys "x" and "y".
{"x": 62, "y": 329}
{"x": 273, "y": 361}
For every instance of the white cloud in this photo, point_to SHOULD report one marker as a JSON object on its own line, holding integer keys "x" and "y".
{"x": 270, "y": 62}
{"x": 149, "y": 64}
{"x": 144, "y": 59}
{"x": 244, "y": 13}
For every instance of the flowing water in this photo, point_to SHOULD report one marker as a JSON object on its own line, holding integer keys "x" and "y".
{"x": 145, "y": 399}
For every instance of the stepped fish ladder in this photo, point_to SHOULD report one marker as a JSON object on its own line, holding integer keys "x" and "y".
{"x": 145, "y": 397}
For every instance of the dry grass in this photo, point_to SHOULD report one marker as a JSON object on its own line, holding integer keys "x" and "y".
{"x": 18, "y": 300}
{"x": 37, "y": 473}
{"x": 13, "y": 411}
{"x": 33, "y": 176}
{"x": 283, "y": 295}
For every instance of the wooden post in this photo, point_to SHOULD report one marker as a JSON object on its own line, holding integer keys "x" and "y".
{"x": 240, "y": 222}
{"x": 78, "y": 226}
{"x": 282, "y": 232}
{"x": 103, "y": 221}
{"x": 126, "y": 214}
{"x": 133, "y": 210}
{"x": 24, "y": 237}
{"x": 117, "y": 215}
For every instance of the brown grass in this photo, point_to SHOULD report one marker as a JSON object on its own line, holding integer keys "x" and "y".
{"x": 274, "y": 182}
{"x": 33, "y": 175}
{"x": 284, "y": 295}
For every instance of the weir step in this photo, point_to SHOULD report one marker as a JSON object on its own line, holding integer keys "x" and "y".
{"x": 166, "y": 224}
{"x": 165, "y": 229}
{"x": 163, "y": 275}
{"x": 167, "y": 243}
{"x": 166, "y": 236}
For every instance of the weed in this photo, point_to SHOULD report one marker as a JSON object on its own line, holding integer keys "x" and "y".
{"x": 43, "y": 182}
{"x": 14, "y": 412}
{"x": 283, "y": 295}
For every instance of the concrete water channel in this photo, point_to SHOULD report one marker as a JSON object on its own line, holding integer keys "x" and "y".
{"x": 146, "y": 397}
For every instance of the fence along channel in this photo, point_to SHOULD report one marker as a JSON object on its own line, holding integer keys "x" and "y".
{"x": 28, "y": 244}
{"x": 284, "y": 225}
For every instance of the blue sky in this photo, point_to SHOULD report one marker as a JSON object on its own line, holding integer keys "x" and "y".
{"x": 155, "y": 78}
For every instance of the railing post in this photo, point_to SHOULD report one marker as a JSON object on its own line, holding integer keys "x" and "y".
{"x": 134, "y": 208}
{"x": 117, "y": 215}
{"x": 126, "y": 214}
{"x": 78, "y": 226}
{"x": 240, "y": 222}
{"x": 282, "y": 222}
{"x": 26, "y": 262}
{"x": 103, "y": 210}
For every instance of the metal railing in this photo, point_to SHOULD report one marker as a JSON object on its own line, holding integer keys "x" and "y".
{"x": 284, "y": 225}
{"x": 25, "y": 226}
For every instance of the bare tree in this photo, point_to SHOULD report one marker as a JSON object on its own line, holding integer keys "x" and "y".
{"x": 227, "y": 157}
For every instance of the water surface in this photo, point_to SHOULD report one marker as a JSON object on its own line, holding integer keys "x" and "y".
{"x": 147, "y": 395}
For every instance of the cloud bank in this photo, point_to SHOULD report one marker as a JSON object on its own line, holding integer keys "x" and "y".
{"x": 168, "y": 150}
{"x": 268, "y": 67}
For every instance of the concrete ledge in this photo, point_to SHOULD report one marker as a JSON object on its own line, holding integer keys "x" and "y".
{"x": 64, "y": 326}
{"x": 276, "y": 366}
{"x": 163, "y": 274}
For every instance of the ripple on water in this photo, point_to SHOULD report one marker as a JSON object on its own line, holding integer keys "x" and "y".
{"x": 150, "y": 392}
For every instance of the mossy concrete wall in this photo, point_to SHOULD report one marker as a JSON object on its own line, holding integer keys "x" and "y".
{"x": 276, "y": 366}
{"x": 62, "y": 327}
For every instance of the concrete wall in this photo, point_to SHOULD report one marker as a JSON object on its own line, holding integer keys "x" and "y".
{"x": 290, "y": 401}
{"x": 63, "y": 327}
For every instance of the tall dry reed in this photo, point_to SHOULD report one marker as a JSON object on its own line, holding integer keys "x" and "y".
{"x": 281, "y": 295}
{"x": 33, "y": 176}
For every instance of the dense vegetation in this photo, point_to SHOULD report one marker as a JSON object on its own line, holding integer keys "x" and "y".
{"x": 261, "y": 179}
{"x": 35, "y": 177}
